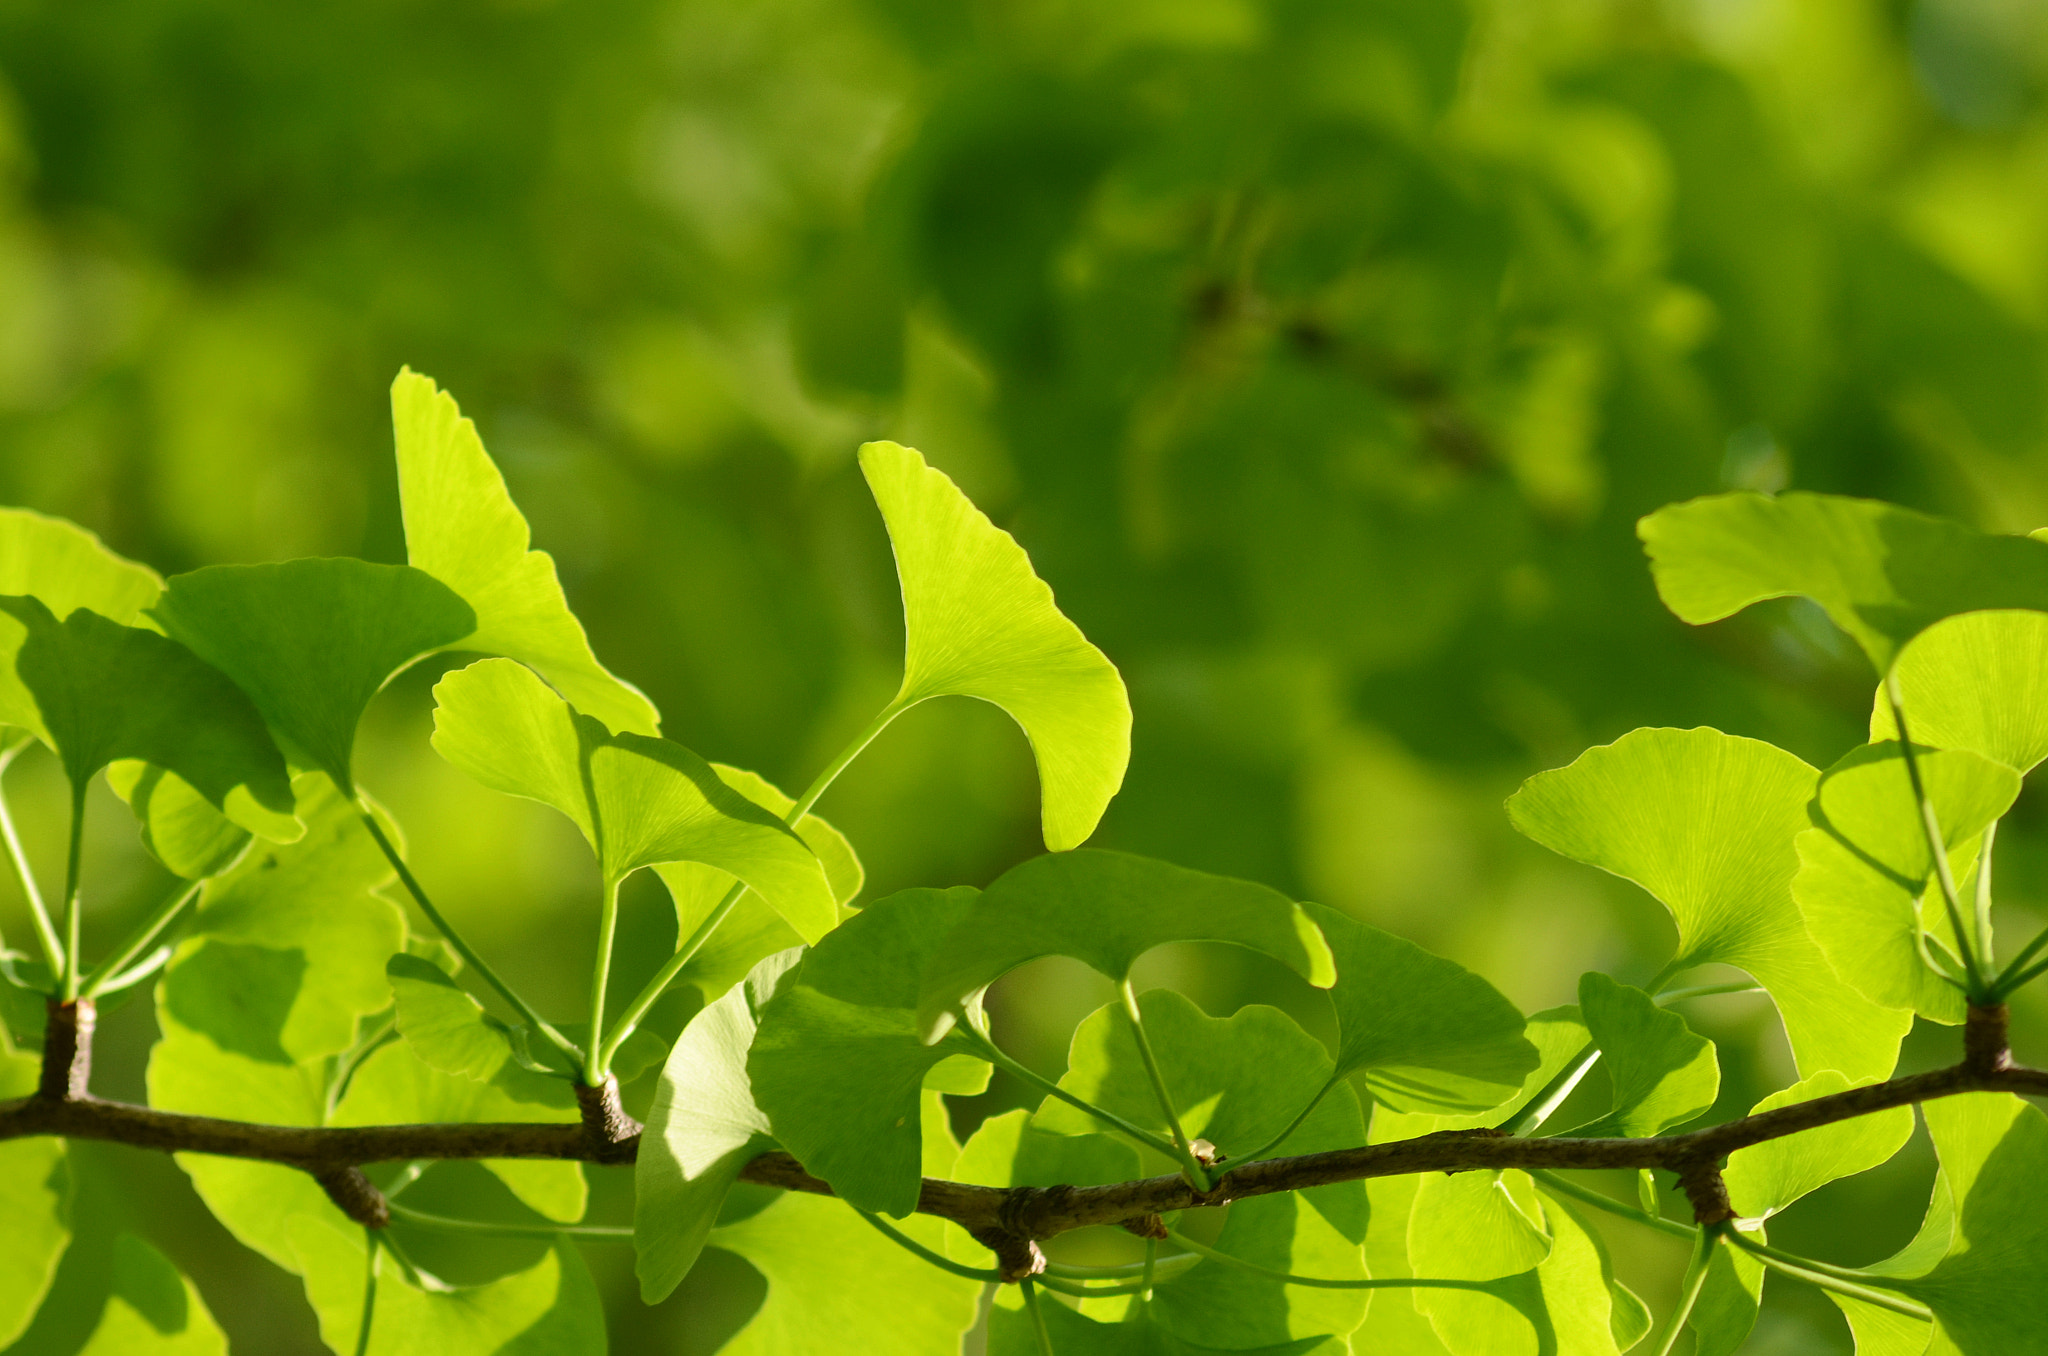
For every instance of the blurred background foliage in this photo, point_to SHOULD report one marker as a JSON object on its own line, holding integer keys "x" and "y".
{"x": 1322, "y": 352}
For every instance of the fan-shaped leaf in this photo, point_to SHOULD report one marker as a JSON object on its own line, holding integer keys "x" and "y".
{"x": 152, "y": 1310}
{"x": 35, "y": 1200}
{"x": 1663, "y": 1073}
{"x": 462, "y": 528}
{"x": 66, "y": 568}
{"x": 1977, "y": 682}
{"x": 979, "y": 623}
{"x": 1765, "y": 1178}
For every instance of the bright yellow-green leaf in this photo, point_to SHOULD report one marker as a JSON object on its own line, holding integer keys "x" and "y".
{"x": 1664, "y": 1074}
{"x": 152, "y": 1310}
{"x": 179, "y": 827}
{"x": 979, "y": 623}
{"x": 35, "y": 1202}
{"x": 66, "y": 568}
{"x": 1706, "y": 822}
{"x": 1977, "y": 682}
{"x": 462, "y": 528}
{"x": 1476, "y": 1226}
{"x": 1765, "y": 1178}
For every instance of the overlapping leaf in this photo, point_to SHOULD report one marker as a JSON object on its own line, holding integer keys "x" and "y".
{"x": 462, "y": 528}
{"x": 1977, "y": 682}
{"x": 35, "y": 1200}
{"x": 1765, "y": 1178}
{"x": 311, "y": 641}
{"x": 1663, "y": 1073}
{"x": 979, "y": 623}
{"x": 1107, "y": 909}
{"x": 179, "y": 827}
{"x": 1865, "y": 867}
{"x": 1882, "y": 573}
{"x": 1706, "y": 822}
{"x": 837, "y": 1064}
{"x": 152, "y": 1310}
{"x": 1138, "y": 1333}
{"x": 66, "y": 568}
{"x": 638, "y": 801}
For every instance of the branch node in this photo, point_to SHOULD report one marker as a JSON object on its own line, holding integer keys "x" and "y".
{"x": 1017, "y": 1257}
{"x": 1702, "y": 1184}
{"x": 67, "y": 1050}
{"x": 1985, "y": 1050}
{"x": 613, "y": 1135}
{"x": 1147, "y": 1226}
{"x": 356, "y": 1195}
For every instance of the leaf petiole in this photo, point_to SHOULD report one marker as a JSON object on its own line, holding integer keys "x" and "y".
{"x": 46, "y": 931}
{"x": 463, "y": 948}
{"x": 1037, "y": 1317}
{"x": 994, "y": 1054}
{"x": 1842, "y": 1280}
{"x": 1930, "y": 825}
{"x": 72, "y": 855}
{"x": 600, "y": 976}
{"x": 911, "y": 1245}
{"x": 1292, "y": 1125}
{"x": 447, "y": 1224}
{"x": 1564, "y": 1186}
{"x": 101, "y": 976}
{"x": 1198, "y": 1176}
{"x": 1689, "y": 1295}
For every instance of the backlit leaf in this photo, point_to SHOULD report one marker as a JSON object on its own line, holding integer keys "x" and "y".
{"x": 1977, "y": 682}
{"x": 1476, "y": 1226}
{"x": 979, "y": 623}
{"x": 1107, "y": 909}
{"x": 639, "y": 801}
{"x": 1664, "y": 1074}
{"x": 35, "y": 1201}
{"x": 179, "y": 827}
{"x": 1882, "y": 573}
{"x": 462, "y": 528}
{"x": 66, "y": 568}
{"x": 311, "y": 641}
{"x": 1137, "y": 1334}
{"x": 1765, "y": 1178}
{"x": 152, "y": 1310}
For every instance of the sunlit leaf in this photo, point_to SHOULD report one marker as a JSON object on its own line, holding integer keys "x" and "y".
{"x": 1428, "y": 1034}
{"x": 311, "y": 641}
{"x": 35, "y": 1201}
{"x": 462, "y": 528}
{"x": 1977, "y": 682}
{"x": 152, "y": 1310}
{"x": 979, "y": 623}
{"x": 1765, "y": 1178}
{"x": 1476, "y": 1226}
{"x": 1107, "y": 909}
{"x": 639, "y": 801}
{"x": 836, "y": 1284}
{"x": 1706, "y": 822}
{"x": 702, "y": 1129}
{"x": 838, "y": 1064}
{"x": 1730, "y": 1299}
{"x": 1865, "y": 867}
{"x": 101, "y": 691}
{"x": 1011, "y": 1333}
{"x": 448, "y": 1029}
{"x": 1566, "y": 1305}
{"x": 179, "y": 827}
{"x": 1882, "y": 573}
{"x": 1663, "y": 1073}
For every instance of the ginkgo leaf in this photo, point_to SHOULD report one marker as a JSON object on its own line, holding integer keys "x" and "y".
{"x": 1476, "y": 1226}
{"x": 1765, "y": 1178}
{"x": 1706, "y": 822}
{"x": 152, "y": 1310}
{"x": 702, "y": 1129}
{"x": 66, "y": 568}
{"x": 1664, "y": 1073}
{"x": 1428, "y": 1034}
{"x": 35, "y": 1200}
{"x": 1011, "y": 1333}
{"x": 311, "y": 641}
{"x": 638, "y": 801}
{"x": 1107, "y": 909}
{"x": 1977, "y": 682}
{"x": 979, "y": 623}
{"x": 838, "y": 1065}
{"x": 462, "y": 528}
{"x": 1568, "y": 1303}
{"x": 103, "y": 691}
{"x": 1865, "y": 867}
{"x": 1881, "y": 573}
{"x": 179, "y": 827}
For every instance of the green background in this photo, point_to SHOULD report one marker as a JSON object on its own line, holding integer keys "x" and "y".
{"x": 1323, "y": 353}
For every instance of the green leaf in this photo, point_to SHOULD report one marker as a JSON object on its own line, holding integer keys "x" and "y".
{"x": 1476, "y": 1226}
{"x": 1235, "y": 1081}
{"x": 638, "y": 801}
{"x": 1730, "y": 1298}
{"x": 552, "y": 1309}
{"x": 179, "y": 827}
{"x": 1107, "y": 909}
{"x": 703, "y": 1128}
{"x": 1664, "y": 1074}
{"x": 1994, "y": 1168}
{"x": 1010, "y": 1333}
{"x": 1881, "y": 573}
{"x": 66, "y": 568}
{"x": 102, "y": 691}
{"x": 35, "y": 1201}
{"x": 1765, "y": 1178}
{"x": 448, "y": 1029}
{"x": 838, "y": 1064}
{"x": 1706, "y": 822}
{"x": 1566, "y": 1305}
{"x": 152, "y": 1310}
{"x": 836, "y": 1284}
{"x": 311, "y": 641}
{"x": 1977, "y": 682}
{"x": 1429, "y": 1034}
{"x": 979, "y": 623}
{"x": 1865, "y": 867}
{"x": 1009, "y": 1150}
{"x": 462, "y": 528}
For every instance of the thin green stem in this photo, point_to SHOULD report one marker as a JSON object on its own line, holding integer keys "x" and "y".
{"x": 46, "y": 931}
{"x": 1293, "y": 1125}
{"x": 1987, "y": 951}
{"x": 1841, "y": 1280}
{"x": 1037, "y": 1317}
{"x": 138, "y": 941}
{"x": 449, "y": 1225}
{"x": 1670, "y": 996}
{"x": 636, "y": 1011}
{"x": 1151, "y": 1264}
{"x": 911, "y": 1245}
{"x": 1198, "y": 1176}
{"x": 73, "y": 857}
{"x": 1930, "y": 825}
{"x": 1551, "y": 1096}
{"x": 994, "y": 1054}
{"x": 350, "y": 1060}
{"x": 1080, "y": 1291}
{"x": 1067, "y": 1271}
{"x": 135, "y": 973}
{"x": 1565, "y": 1186}
{"x": 463, "y": 948}
{"x": 1322, "y": 1282}
{"x": 600, "y": 977}
{"x": 2021, "y": 980}
{"x": 1689, "y": 1295}
{"x": 369, "y": 1294}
